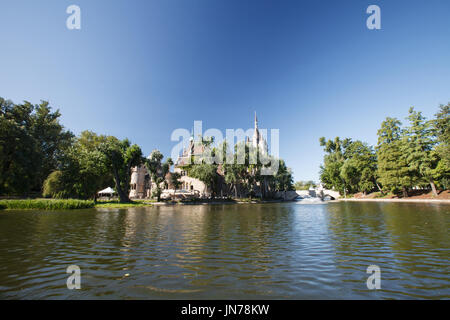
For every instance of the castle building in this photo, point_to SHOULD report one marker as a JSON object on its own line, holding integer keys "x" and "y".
{"x": 141, "y": 185}
{"x": 195, "y": 186}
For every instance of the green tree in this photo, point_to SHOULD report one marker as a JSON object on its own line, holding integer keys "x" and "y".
{"x": 236, "y": 174}
{"x": 158, "y": 171}
{"x": 54, "y": 186}
{"x": 418, "y": 150}
{"x": 18, "y": 149}
{"x": 349, "y": 166}
{"x": 175, "y": 180}
{"x": 206, "y": 173}
{"x": 304, "y": 185}
{"x": 393, "y": 170}
{"x": 120, "y": 157}
{"x": 282, "y": 180}
{"x": 233, "y": 177}
{"x": 31, "y": 142}
{"x": 441, "y": 129}
{"x": 330, "y": 171}
{"x": 82, "y": 170}
{"x": 359, "y": 169}
{"x": 51, "y": 139}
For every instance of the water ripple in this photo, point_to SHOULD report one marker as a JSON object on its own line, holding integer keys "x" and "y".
{"x": 278, "y": 251}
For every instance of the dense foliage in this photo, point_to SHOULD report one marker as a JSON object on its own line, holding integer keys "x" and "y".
{"x": 349, "y": 166}
{"x": 38, "y": 156}
{"x": 82, "y": 170}
{"x": 240, "y": 173}
{"x": 32, "y": 141}
{"x": 120, "y": 157}
{"x": 414, "y": 156}
{"x": 158, "y": 171}
{"x": 441, "y": 129}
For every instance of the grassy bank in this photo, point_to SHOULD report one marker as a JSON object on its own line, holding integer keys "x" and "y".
{"x": 46, "y": 204}
{"x": 66, "y": 204}
{"x": 119, "y": 205}
{"x": 70, "y": 204}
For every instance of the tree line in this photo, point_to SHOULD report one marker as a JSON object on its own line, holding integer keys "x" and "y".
{"x": 38, "y": 156}
{"x": 414, "y": 155}
{"x": 304, "y": 185}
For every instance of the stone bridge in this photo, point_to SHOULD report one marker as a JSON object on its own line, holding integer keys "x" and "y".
{"x": 314, "y": 193}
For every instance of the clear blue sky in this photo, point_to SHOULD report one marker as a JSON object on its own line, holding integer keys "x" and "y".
{"x": 140, "y": 69}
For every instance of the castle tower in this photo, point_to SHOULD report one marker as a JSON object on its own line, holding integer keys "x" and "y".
{"x": 258, "y": 140}
{"x": 137, "y": 182}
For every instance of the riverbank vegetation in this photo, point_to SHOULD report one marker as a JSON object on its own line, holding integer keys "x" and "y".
{"x": 415, "y": 156}
{"x": 121, "y": 205}
{"x": 68, "y": 204}
{"x": 41, "y": 158}
{"x": 31, "y": 142}
{"x": 46, "y": 204}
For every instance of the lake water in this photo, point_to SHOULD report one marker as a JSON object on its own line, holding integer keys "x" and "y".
{"x": 239, "y": 251}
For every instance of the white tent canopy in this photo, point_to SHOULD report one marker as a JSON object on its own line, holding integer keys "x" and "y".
{"x": 108, "y": 190}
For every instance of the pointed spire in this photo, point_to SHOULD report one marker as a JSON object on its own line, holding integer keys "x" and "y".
{"x": 256, "y": 121}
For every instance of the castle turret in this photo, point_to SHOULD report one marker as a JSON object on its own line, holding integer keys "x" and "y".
{"x": 258, "y": 140}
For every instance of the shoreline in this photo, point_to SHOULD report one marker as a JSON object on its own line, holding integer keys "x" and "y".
{"x": 444, "y": 201}
{"x": 75, "y": 204}
{"x": 219, "y": 202}
{"x": 143, "y": 204}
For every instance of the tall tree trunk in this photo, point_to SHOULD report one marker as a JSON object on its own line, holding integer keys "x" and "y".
{"x": 405, "y": 192}
{"x": 379, "y": 188}
{"x": 433, "y": 187}
{"x": 261, "y": 189}
{"x": 158, "y": 192}
{"x": 265, "y": 187}
{"x": 122, "y": 196}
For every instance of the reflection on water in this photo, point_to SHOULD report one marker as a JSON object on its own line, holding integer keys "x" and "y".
{"x": 273, "y": 251}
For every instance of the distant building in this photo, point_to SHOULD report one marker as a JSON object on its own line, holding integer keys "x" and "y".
{"x": 141, "y": 185}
